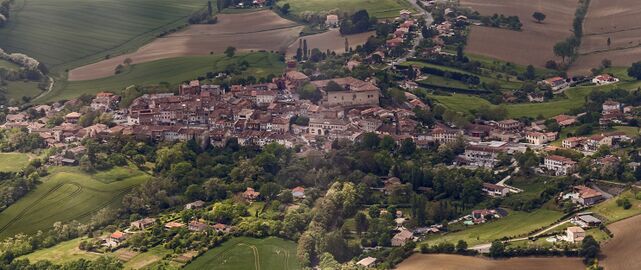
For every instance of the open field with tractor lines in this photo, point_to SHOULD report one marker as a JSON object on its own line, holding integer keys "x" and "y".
{"x": 375, "y": 8}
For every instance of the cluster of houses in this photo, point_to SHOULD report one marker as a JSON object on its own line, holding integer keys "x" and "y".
{"x": 403, "y": 29}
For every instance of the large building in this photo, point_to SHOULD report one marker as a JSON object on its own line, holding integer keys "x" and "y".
{"x": 354, "y": 92}
{"x": 559, "y": 165}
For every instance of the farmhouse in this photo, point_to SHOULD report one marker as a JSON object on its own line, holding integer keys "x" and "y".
{"x": 250, "y": 194}
{"x": 401, "y": 238}
{"x": 559, "y": 165}
{"x": 197, "y": 226}
{"x": 142, "y": 224}
{"x": 332, "y": 20}
{"x": 298, "y": 192}
{"x": 585, "y": 196}
{"x": 493, "y": 190}
{"x": 173, "y": 225}
{"x": 575, "y": 234}
{"x": 557, "y": 84}
{"x": 540, "y": 138}
{"x": 604, "y": 79}
{"x": 367, "y": 262}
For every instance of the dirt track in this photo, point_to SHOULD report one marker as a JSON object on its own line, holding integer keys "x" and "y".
{"x": 262, "y": 30}
{"x": 618, "y": 20}
{"x": 330, "y": 40}
{"x": 535, "y": 43}
{"x": 457, "y": 262}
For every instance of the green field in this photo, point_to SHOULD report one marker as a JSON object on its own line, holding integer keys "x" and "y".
{"x": 173, "y": 70}
{"x": 8, "y": 65}
{"x": 610, "y": 210}
{"x": 69, "y": 33}
{"x": 66, "y": 194}
{"x": 249, "y": 253}
{"x": 19, "y": 89}
{"x": 375, "y": 8}
{"x": 512, "y": 84}
{"x": 13, "y": 162}
{"x": 516, "y": 223}
{"x": 61, "y": 253}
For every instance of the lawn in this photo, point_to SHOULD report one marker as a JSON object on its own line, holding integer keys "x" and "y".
{"x": 249, "y": 253}
{"x": 173, "y": 71}
{"x": 13, "y": 162}
{"x": 516, "y": 223}
{"x": 61, "y": 253}
{"x": 613, "y": 213}
{"x": 66, "y": 194}
{"x": 69, "y": 33}
{"x": 375, "y": 8}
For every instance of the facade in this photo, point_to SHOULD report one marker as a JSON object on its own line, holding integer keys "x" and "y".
{"x": 559, "y": 165}
{"x": 482, "y": 156}
{"x": 575, "y": 234}
{"x": 402, "y": 238}
{"x": 495, "y": 190}
{"x": 355, "y": 93}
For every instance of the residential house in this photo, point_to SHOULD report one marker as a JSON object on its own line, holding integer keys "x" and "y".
{"x": 118, "y": 236}
{"x": 250, "y": 194}
{"x": 557, "y": 84}
{"x": 298, "y": 192}
{"x": 331, "y": 20}
{"x": 481, "y": 216}
{"x": 604, "y": 79}
{"x": 173, "y": 225}
{"x": 565, "y": 120}
{"x": 540, "y": 138}
{"x": 72, "y": 117}
{"x": 575, "y": 234}
{"x": 573, "y": 142}
{"x": 585, "y": 196}
{"x": 481, "y": 155}
{"x": 405, "y": 14}
{"x": 401, "y": 238}
{"x": 195, "y": 205}
{"x": 367, "y": 262}
{"x": 559, "y": 165}
{"x": 142, "y": 224}
{"x": 493, "y": 190}
{"x": 197, "y": 226}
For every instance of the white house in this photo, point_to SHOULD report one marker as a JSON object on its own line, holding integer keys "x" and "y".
{"x": 332, "y": 20}
{"x": 604, "y": 79}
{"x": 575, "y": 234}
{"x": 560, "y": 165}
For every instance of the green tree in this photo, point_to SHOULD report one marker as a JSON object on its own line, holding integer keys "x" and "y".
{"x": 269, "y": 191}
{"x": 497, "y": 249}
{"x": 230, "y": 51}
{"x": 538, "y": 16}
{"x": 461, "y": 246}
{"x": 361, "y": 222}
{"x": 563, "y": 49}
{"x": 635, "y": 70}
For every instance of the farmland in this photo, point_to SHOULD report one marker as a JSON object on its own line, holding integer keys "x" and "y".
{"x": 624, "y": 250}
{"x": 69, "y": 33}
{"x": 534, "y": 44}
{"x": 610, "y": 210}
{"x": 616, "y": 20}
{"x": 8, "y": 65}
{"x": 516, "y": 223}
{"x": 61, "y": 253}
{"x": 262, "y": 30}
{"x": 376, "y": 8}
{"x": 455, "y": 262}
{"x": 66, "y": 194}
{"x": 249, "y": 253}
{"x": 12, "y": 162}
{"x": 174, "y": 70}
{"x": 331, "y": 40}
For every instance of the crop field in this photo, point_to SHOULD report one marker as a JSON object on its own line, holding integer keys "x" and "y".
{"x": 614, "y": 19}
{"x": 13, "y": 162}
{"x": 67, "y": 33}
{"x": 262, "y": 30}
{"x": 174, "y": 70}
{"x": 66, "y": 194}
{"x": 61, "y": 253}
{"x": 249, "y": 253}
{"x": 534, "y": 44}
{"x": 376, "y": 8}
{"x": 456, "y": 262}
{"x": 331, "y": 40}
{"x": 624, "y": 250}
{"x": 516, "y": 223}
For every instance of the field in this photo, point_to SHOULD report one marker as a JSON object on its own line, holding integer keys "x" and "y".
{"x": 13, "y": 162}
{"x": 249, "y": 253}
{"x": 8, "y": 65}
{"x": 516, "y": 223}
{"x": 512, "y": 84}
{"x": 624, "y": 250}
{"x": 66, "y": 194}
{"x": 19, "y": 89}
{"x": 69, "y": 33}
{"x": 376, "y": 8}
{"x": 331, "y": 40}
{"x": 456, "y": 262}
{"x": 61, "y": 253}
{"x": 610, "y": 210}
{"x": 534, "y": 44}
{"x": 617, "y": 20}
{"x": 141, "y": 260}
{"x": 262, "y": 30}
{"x": 174, "y": 70}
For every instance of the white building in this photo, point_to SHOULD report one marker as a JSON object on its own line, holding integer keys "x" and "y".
{"x": 560, "y": 165}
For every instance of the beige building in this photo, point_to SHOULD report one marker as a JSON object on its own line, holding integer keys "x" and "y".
{"x": 575, "y": 234}
{"x": 355, "y": 92}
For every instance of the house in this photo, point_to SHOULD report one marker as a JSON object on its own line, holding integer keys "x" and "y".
{"x": 586, "y": 221}
{"x": 72, "y": 117}
{"x": 332, "y": 20}
{"x": 509, "y": 125}
{"x": 395, "y": 42}
{"x": 173, "y": 225}
{"x": 540, "y": 138}
{"x": 298, "y": 192}
{"x": 118, "y": 236}
{"x": 572, "y": 142}
{"x": 17, "y": 118}
{"x": 195, "y": 205}
{"x": 481, "y": 216}
{"x": 557, "y": 84}
{"x": 481, "y": 155}
{"x": 493, "y": 190}
{"x": 565, "y": 120}
{"x": 405, "y": 14}
{"x": 604, "y": 79}
{"x": 142, "y": 224}
{"x": 610, "y": 106}
{"x": 575, "y": 234}
{"x": 586, "y": 196}
{"x": 221, "y": 228}
{"x": 354, "y": 92}
{"x": 367, "y": 262}
{"x": 197, "y": 226}
{"x": 535, "y": 97}
{"x": 559, "y": 165}
{"x": 401, "y": 238}
{"x": 250, "y": 194}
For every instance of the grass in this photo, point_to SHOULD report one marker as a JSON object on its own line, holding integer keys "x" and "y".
{"x": 173, "y": 71}
{"x": 613, "y": 213}
{"x": 513, "y": 84}
{"x": 375, "y": 8}
{"x": 8, "y": 65}
{"x": 61, "y": 253}
{"x": 516, "y": 223}
{"x": 66, "y": 194}
{"x": 13, "y": 162}
{"x": 148, "y": 258}
{"x": 249, "y": 253}
{"x": 69, "y": 33}
{"x": 19, "y": 89}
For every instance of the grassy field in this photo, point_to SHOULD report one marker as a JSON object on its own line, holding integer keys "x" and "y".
{"x": 19, "y": 89}
{"x": 376, "y": 8}
{"x": 249, "y": 253}
{"x": 8, "y": 65}
{"x": 67, "y": 33}
{"x": 512, "y": 84}
{"x": 66, "y": 194}
{"x": 516, "y": 223}
{"x": 610, "y": 210}
{"x": 172, "y": 70}
{"x": 142, "y": 260}
{"x": 61, "y": 253}
{"x": 13, "y": 162}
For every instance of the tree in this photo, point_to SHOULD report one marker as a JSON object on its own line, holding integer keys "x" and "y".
{"x": 128, "y": 61}
{"x": 497, "y": 249}
{"x": 119, "y": 69}
{"x": 606, "y": 63}
{"x": 361, "y": 222}
{"x": 346, "y": 45}
{"x": 530, "y": 73}
{"x": 285, "y": 9}
{"x": 539, "y": 16}
{"x": 609, "y": 41}
{"x": 563, "y": 49}
{"x": 230, "y": 51}
{"x": 269, "y": 190}
{"x": 305, "y": 50}
{"x": 209, "y": 9}
{"x": 635, "y": 70}
{"x": 461, "y": 246}
{"x": 589, "y": 248}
